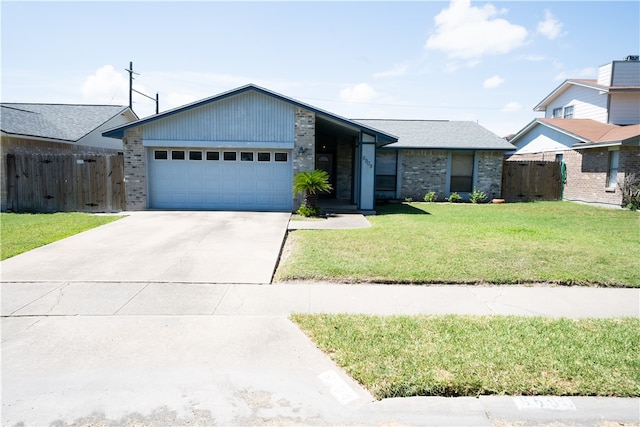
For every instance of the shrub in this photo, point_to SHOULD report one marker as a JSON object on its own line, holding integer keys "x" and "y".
{"x": 478, "y": 196}
{"x": 630, "y": 188}
{"x": 308, "y": 211}
{"x": 454, "y": 198}
{"x": 431, "y": 196}
{"x": 408, "y": 199}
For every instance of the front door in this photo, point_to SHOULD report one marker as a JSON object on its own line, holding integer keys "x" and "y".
{"x": 324, "y": 161}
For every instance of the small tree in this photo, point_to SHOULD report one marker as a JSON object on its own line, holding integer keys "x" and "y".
{"x": 310, "y": 184}
{"x": 630, "y": 187}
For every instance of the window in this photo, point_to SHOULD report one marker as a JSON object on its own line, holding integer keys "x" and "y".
{"x": 213, "y": 155}
{"x": 461, "y": 172}
{"x": 195, "y": 155}
{"x": 229, "y": 156}
{"x": 160, "y": 154}
{"x": 612, "y": 174}
{"x": 559, "y": 157}
{"x": 280, "y": 157}
{"x": 557, "y": 113}
{"x": 246, "y": 156}
{"x": 177, "y": 155}
{"x": 568, "y": 112}
{"x": 264, "y": 157}
{"x": 386, "y": 170}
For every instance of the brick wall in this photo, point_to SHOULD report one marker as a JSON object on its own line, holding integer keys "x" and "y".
{"x": 344, "y": 170}
{"x": 135, "y": 170}
{"x": 423, "y": 171}
{"x": 587, "y": 174}
{"x": 490, "y": 172}
{"x": 305, "y": 138}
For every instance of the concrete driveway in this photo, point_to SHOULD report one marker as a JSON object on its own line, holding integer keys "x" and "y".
{"x": 161, "y": 246}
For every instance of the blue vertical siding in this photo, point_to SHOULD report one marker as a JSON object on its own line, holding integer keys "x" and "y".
{"x": 248, "y": 116}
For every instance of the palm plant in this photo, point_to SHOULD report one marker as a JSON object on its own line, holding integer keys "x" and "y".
{"x": 311, "y": 183}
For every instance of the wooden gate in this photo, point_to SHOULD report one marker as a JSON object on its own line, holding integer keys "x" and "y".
{"x": 531, "y": 180}
{"x": 65, "y": 182}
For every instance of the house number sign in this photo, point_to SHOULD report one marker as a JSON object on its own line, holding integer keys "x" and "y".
{"x": 366, "y": 160}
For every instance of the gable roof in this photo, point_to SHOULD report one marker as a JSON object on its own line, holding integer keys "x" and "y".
{"x": 382, "y": 136}
{"x": 588, "y": 83}
{"x": 587, "y": 132}
{"x": 62, "y": 122}
{"x": 440, "y": 134}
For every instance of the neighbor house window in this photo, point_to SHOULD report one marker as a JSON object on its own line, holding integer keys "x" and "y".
{"x": 612, "y": 174}
{"x": 177, "y": 155}
{"x": 557, "y": 113}
{"x": 160, "y": 154}
{"x": 461, "y": 172}
{"x": 568, "y": 112}
{"x": 195, "y": 155}
{"x": 229, "y": 155}
{"x": 213, "y": 155}
{"x": 246, "y": 156}
{"x": 280, "y": 157}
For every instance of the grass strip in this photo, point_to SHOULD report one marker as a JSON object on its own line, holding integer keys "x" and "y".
{"x": 549, "y": 242}
{"x": 401, "y": 356}
{"x": 22, "y": 232}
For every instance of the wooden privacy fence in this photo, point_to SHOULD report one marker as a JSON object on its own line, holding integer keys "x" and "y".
{"x": 65, "y": 182}
{"x": 531, "y": 180}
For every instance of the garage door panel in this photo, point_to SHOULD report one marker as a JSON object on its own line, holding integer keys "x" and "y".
{"x": 220, "y": 184}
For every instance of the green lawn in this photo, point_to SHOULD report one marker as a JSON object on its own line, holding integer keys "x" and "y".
{"x": 399, "y": 356}
{"x": 22, "y": 232}
{"x": 554, "y": 242}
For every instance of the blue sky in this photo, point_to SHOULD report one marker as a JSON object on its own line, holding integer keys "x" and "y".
{"x": 486, "y": 61}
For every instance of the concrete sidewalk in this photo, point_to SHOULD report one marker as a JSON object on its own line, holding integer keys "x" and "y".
{"x": 115, "y": 353}
{"x": 155, "y": 298}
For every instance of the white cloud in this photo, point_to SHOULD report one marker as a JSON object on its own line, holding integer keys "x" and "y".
{"x": 396, "y": 71}
{"x": 584, "y": 73}
{"x": 361, "y": 92}
{"x": 106, "y": 86}
{"x": 512, "y": 107}
{"x": 467, "y": 32}
{"x": 551, "y": 28}
{"x": 493, "y": 82}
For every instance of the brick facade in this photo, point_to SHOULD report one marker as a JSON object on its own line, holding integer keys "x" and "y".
{"x": 490, "y": 173}
{"x": 135, "y": 170}
{"x": 344, "y": 170}
{"x": 305, "y": 141}
{"x": 426, "y": 170}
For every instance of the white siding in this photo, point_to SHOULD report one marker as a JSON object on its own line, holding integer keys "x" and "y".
{"x": 244, "y": 117}
{"x": 625, "y": 109}
{"x": 587, "y": 103}
{"x": 604, "y": 74}
{"x": 542, "y": 139}
{"x": 626, "y": 73}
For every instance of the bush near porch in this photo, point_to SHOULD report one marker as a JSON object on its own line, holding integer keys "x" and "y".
{"x": 551, "y": 242}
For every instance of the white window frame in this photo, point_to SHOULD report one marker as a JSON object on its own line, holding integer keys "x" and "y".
{"x": 568, "y": 112}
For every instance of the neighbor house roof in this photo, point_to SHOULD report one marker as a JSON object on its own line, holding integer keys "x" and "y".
{"x": 439, "y": 134}
{"x": 589, "y": 133}
{"x": 62, "y": 122}
{"x": 383, "y": 137}
{"x": 590, "y": 83}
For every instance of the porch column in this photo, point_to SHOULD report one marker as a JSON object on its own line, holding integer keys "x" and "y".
{"x": 367, "y": 159}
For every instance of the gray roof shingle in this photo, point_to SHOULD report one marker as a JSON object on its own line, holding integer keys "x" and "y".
{"x": 439, "y": 134}
{"x": 65, "y": 122}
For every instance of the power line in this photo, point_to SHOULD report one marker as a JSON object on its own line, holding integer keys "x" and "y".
{"x": 131, "y": 90}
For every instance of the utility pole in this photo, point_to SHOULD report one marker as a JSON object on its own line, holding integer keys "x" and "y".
{"x": 131, "y": 90}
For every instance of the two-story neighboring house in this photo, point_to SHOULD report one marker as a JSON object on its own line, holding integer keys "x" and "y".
{"x": 593, "y": 126}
